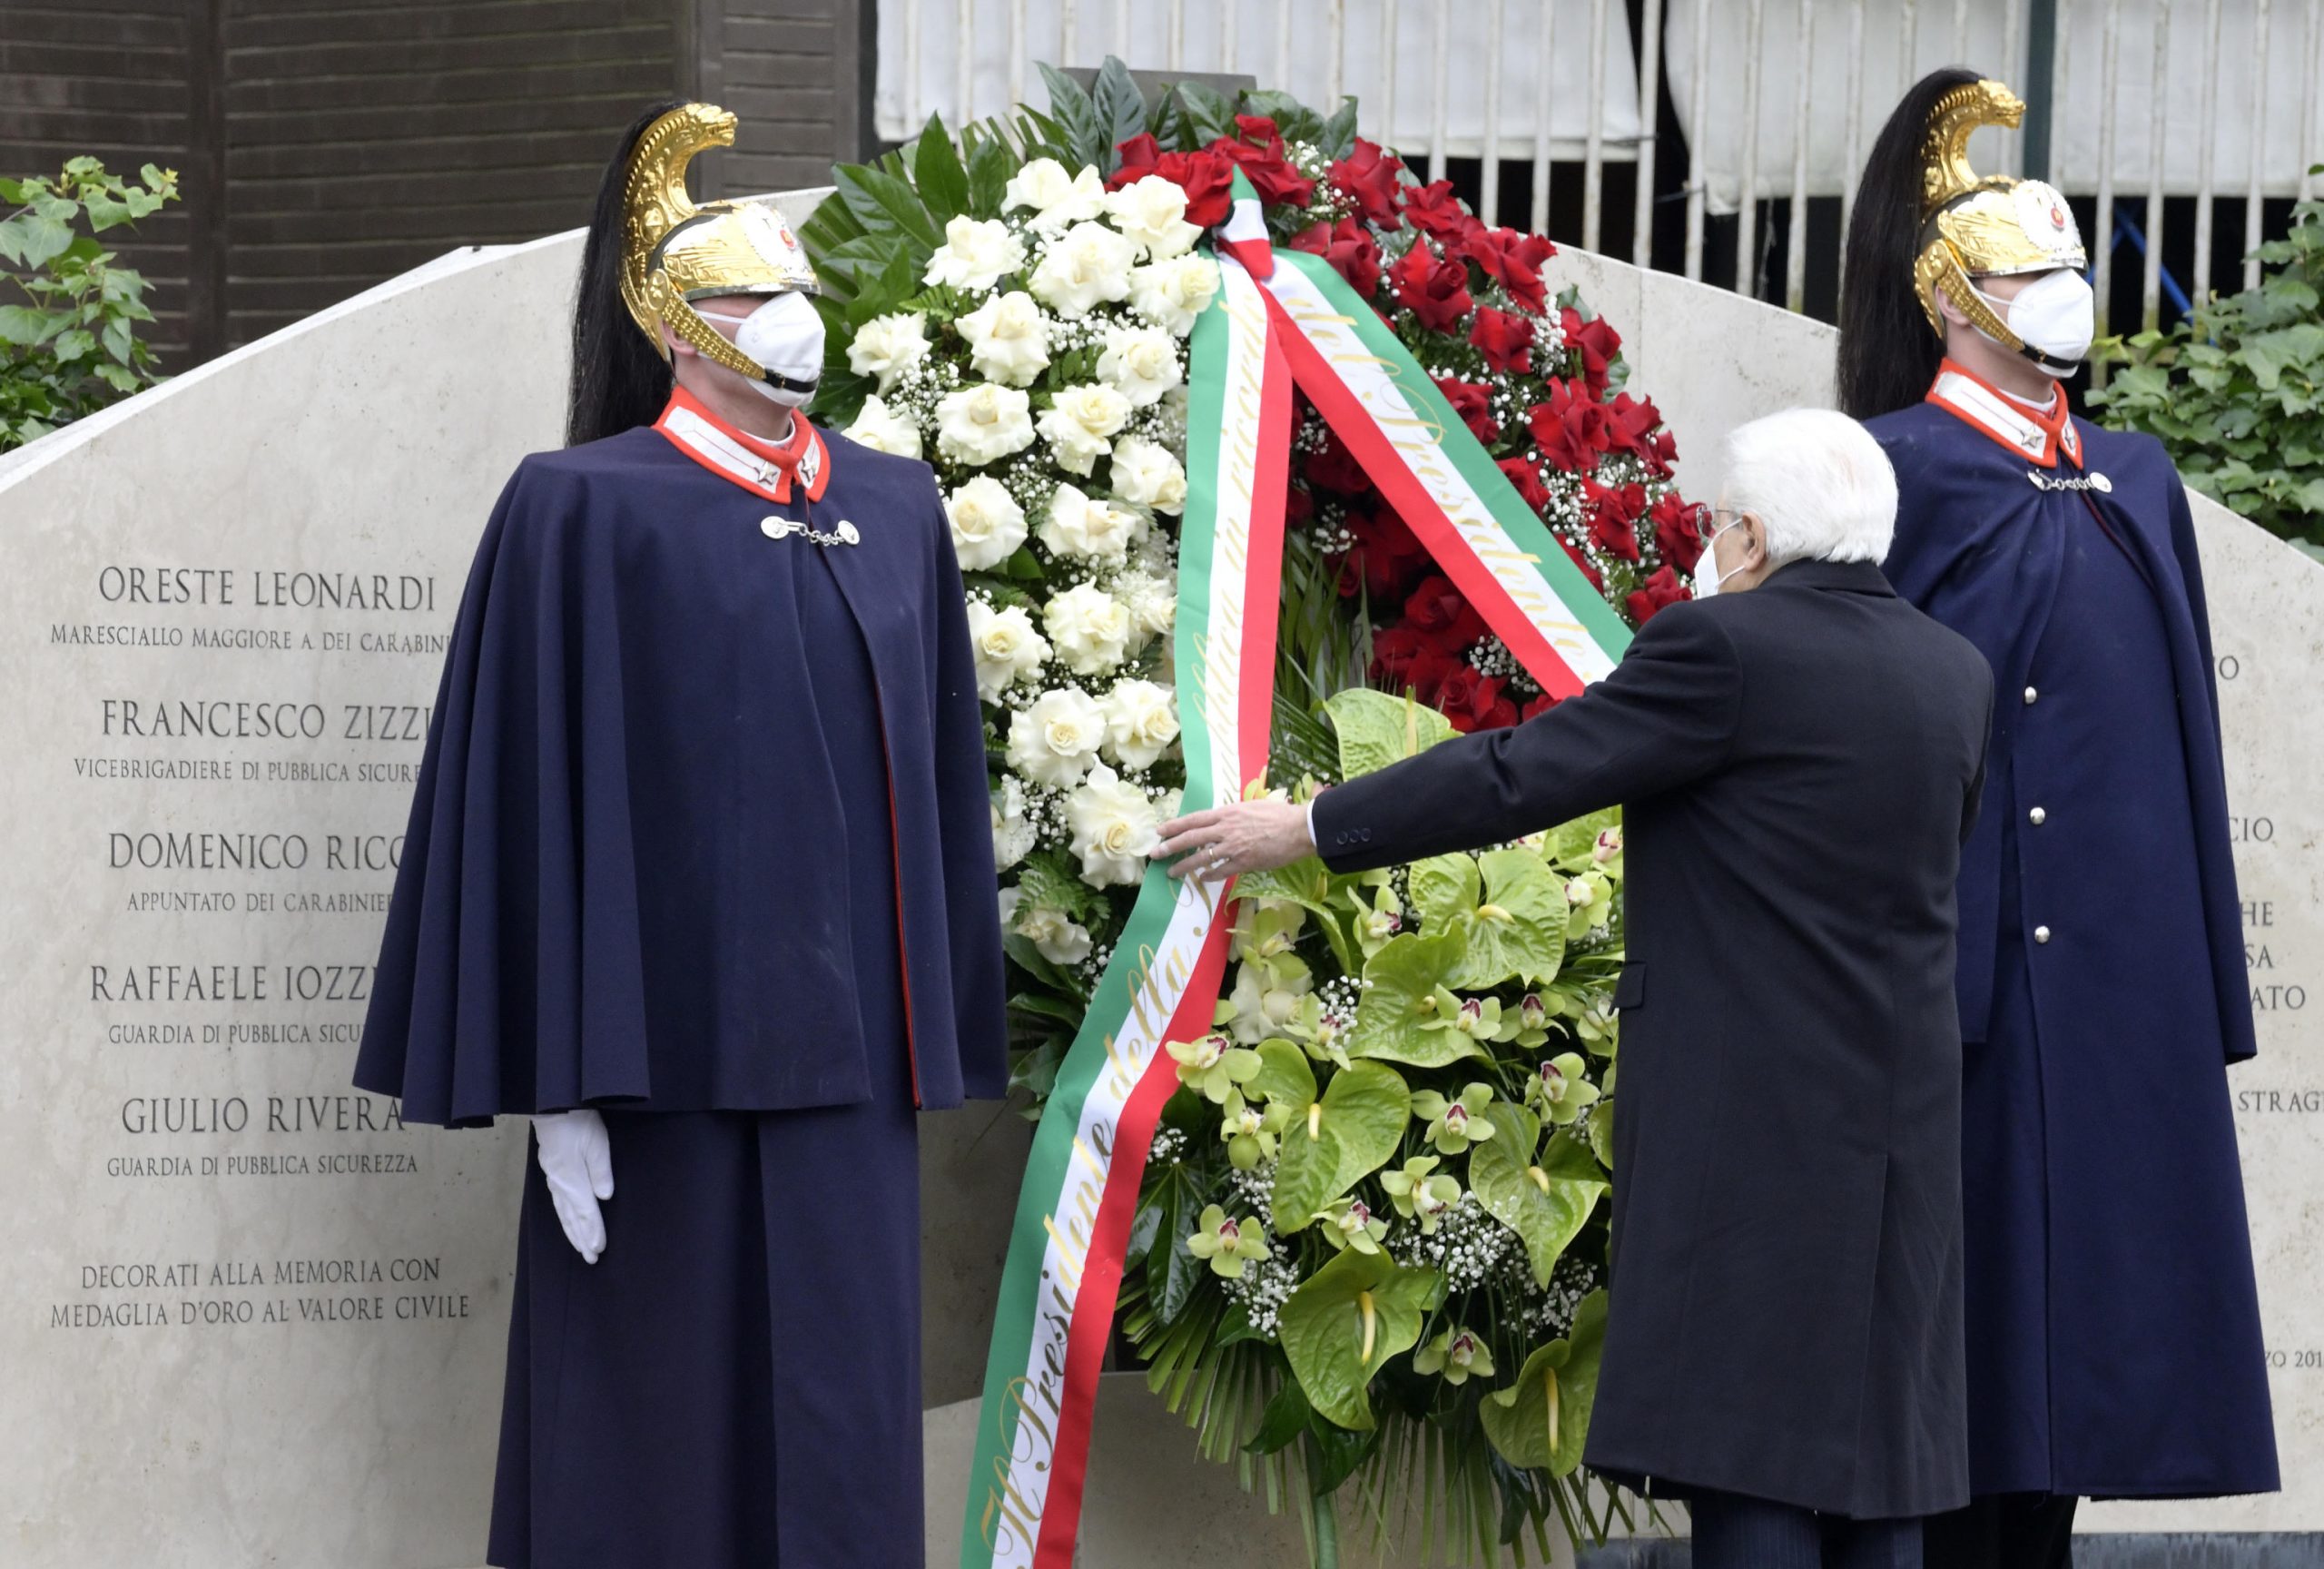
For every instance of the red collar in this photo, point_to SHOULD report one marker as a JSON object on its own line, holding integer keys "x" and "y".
{"x": 764, "y": 467}
{"x": 2037, "y": 436}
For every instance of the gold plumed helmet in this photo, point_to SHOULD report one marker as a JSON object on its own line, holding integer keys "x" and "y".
{"x": 674, "y": 253}
{"x": 1995, "y": 225}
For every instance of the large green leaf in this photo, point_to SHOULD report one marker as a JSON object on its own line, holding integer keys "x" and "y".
{"x": 1546, "y": 1208}
{"x": 1120, "y": 110}
{"x": 1542, "y": 1420}
{"x": 1376, "y": 729}
{"x": 1076, "y": 117}
{"x": 1398, "y": 1019}
{"x": 937, "y": 174}
{"x": 991, "y": 163}
{"x": 1339, "y": 131}
{"x": 1335, "y": 1143}
{"x": 1210, "y": 114}
{"x": 32, "y": 240}
{"x": 1308, "y": 884}
{"x": 1519, "y": 929}
{"x": 1324, "y": 1329}
{"x": 885, "y": 204}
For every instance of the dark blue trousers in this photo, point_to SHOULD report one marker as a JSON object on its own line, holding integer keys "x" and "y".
{"x": 1733, "y": 1532}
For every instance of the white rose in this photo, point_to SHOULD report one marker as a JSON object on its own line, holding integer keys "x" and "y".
{"x": 1007, "y": 338}
{"x": 1055, "y": 740}
{"x": 987, "y": 523}
{"x": 1152, "y": 211}
{"x": 1055, "y": 935}
{"x": 1140, "y": 363}
{"x": 978, "y": 424}
{"x": 1088, "y": 263}
{"x": 1014, "y": 834}
{"x": 1081, "y": 421}
{"x": 1141, "y": 719}
{"x": 888, "y": 346}
{"x": 1113, "y": 826}
{"x": 1084, "y": 526}
{"x": 977, "y": 254}
{"x": 1055, "y": 197}
{"x": 1090, "y": 628}
{"x": 1006, "y": 645}
{"x": 1172, "y": 294}
{"x": 884, "y": 430}
{"x": 1152, "y": 601}
{"x": 1145, "y": 473}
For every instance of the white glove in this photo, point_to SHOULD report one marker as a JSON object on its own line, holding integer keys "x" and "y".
{"x": 577, "y": 1157}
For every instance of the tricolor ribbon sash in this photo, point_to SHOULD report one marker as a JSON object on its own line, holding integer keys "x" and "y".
{"x": 1279, "y": 319}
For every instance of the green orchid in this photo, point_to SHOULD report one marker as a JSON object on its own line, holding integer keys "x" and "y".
{"x": 1607, "y": 852}
{"x": 1321, "y": 1032}
{"x": 1560, "y": 1090}
{"x": 1419, "y": 1195}
{"x": 1596, "y": 1022}
{"x": 1214, "y": 1065}
{"x": 1350, "y": 1223}
{"x": 1377, "y": 921}
{"x": 1456, "y": 1354}
{"x": 1227, "y": 1244}
{"x": 1249, "y": 1133}
{"x": 1590, "y": 900}
{"x": 1454, "y": 1125}
{"x": 1530, "y": 1027}
{"x": 1267, "y": 928}
{"x": 1266, "y": 995}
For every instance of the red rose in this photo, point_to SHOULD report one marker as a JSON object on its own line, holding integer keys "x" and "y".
{"x": 1405, "y": 659}
{"x": 1258, "y": 146}
{"x": 1335, "y": 468}
{"x": 1474, "y": 403}
{"x": 1298, "y": 503}
{"x": 1635, "y": 423}
{"x": 1434, "y": 209}
{"x": 1368, "y": 177}
{"x": 1435, "y": 292}
{"x": 1506, "y": 340}
{"x": 1612, "y": 515}
{"x": 1206, "y": 178}
{"x": 1511, "y": 259}
{"x": 1674, "y": 532}
{"x": 1540, "y": 704}
{"x": 1439, "y": 611}
{"x": 1348, "y": 247}
{"x": 1526, "y": 476}
{"x": 1571, "y": 428}
{"x": 1386, "y": 558}
{"x": 1597, "y": 578}
{"x": 1660, "y": 592}
{"x": 1472, "y": 701}
{"x": 1595, "y": 343}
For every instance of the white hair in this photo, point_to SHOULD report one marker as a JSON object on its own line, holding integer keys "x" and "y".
{"x": 1818, "y": 483}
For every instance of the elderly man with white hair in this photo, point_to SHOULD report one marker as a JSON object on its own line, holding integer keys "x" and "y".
{"x": 1799, "y": 755}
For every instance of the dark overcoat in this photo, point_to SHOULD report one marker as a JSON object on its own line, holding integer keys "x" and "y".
{"x": 1797, "y": 766}
{"x": 2113, "y": 1328}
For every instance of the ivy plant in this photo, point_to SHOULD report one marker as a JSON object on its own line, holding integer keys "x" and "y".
{"x": 68, "y": 315}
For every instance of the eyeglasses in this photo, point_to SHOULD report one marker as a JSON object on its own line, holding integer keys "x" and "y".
{"x": 1707, "y": 521}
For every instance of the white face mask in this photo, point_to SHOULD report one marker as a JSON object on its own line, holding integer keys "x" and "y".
{"x": 2056, "y": 314}
{"x": 784, "y": 336}
{"x": 1707, "y": 582}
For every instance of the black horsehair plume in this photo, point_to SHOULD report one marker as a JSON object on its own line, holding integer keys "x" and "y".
{"x": 619, "y": 382}
{"x": 1888, "y": 355}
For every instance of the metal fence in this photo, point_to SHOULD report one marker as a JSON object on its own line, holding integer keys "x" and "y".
{"x": 1773, "y": 102}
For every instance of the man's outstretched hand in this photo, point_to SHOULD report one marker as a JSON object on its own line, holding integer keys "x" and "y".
{"x": 1228, "y": 841}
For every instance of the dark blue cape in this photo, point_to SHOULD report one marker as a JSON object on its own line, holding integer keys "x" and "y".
{"x": 625, "y": 879}
{"x": 2113, "y": 1324}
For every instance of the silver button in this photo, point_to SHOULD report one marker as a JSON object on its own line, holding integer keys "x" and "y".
{"x": 2032, "y": 697}
{"x": 2037, "y": 816}
{"x": 2041, "y": 933}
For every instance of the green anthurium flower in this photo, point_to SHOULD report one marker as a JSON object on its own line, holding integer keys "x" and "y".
{"x": 1601, "y": 1134}
{"x": 1454, "y": 1125}
{"x": 1560, "y": 1089}
{"x": 1406, "y": 1008}
{"x": 1419, "y": 1195}
{"x": 1590, "y": 901}
{"x": 1378, "y": 918}
{"x": 1214, "y": 1065}
{"x": 1247, "y": 1133}
{"x": 1456, "y": 1354}
{"x": 1350, "y": 1223}
{"x": 1228, "y": 1244}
